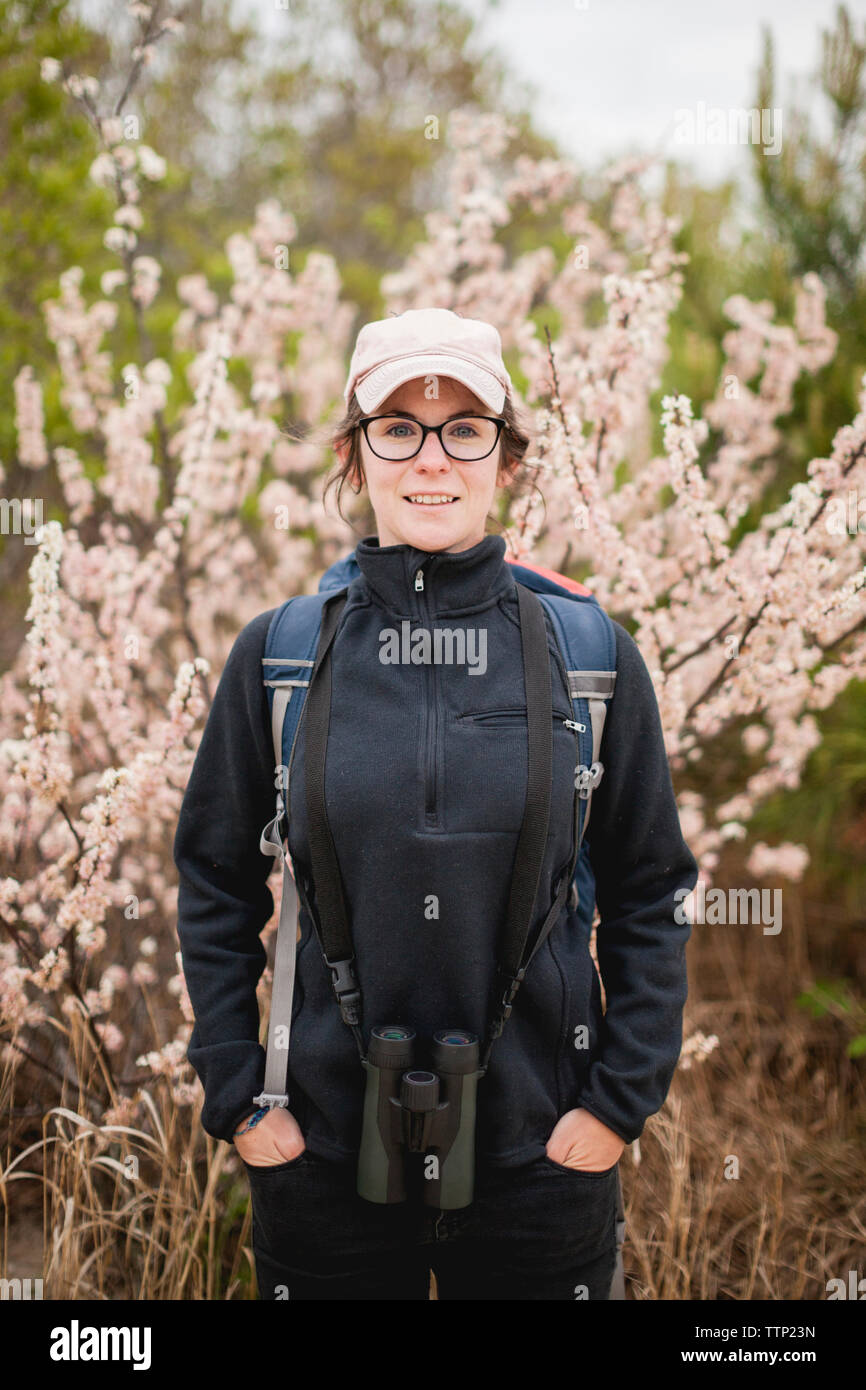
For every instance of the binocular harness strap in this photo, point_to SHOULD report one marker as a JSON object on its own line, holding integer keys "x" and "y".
{"x": 331, "y": 918}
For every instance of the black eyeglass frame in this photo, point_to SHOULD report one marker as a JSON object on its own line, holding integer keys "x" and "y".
{"x": 498, "y": 420}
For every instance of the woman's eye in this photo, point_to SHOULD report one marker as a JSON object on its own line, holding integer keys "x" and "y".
{"x": 466, "y": 428}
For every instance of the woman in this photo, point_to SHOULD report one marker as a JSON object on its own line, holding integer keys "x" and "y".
{"x": 425, "y": 790}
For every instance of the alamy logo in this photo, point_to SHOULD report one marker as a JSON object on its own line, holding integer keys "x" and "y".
{"x": 715, "y": 907}
{"x": 21, "y": 516}
{"x": 734, "y": 125}
{"x": 20, "y": 1288}
{"x": 855, "y": 1287}
{"x": 443, "y": 646}
{"x": 76, "y": 1343}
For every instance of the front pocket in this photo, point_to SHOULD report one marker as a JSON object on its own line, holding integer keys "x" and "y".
{"x": 284, "y": 1167}
{"x": 580, "y": 1172}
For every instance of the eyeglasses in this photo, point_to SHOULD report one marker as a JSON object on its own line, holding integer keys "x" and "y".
{"x": 466, "y": 439}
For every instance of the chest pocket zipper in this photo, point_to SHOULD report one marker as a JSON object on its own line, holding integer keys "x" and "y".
{"x": 510, "y": 716}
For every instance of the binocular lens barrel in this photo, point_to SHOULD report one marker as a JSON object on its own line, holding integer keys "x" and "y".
{"x": 392, "y": 1047}
{"x": 455, "y": 1051}
{"x": 419, "y": 1090}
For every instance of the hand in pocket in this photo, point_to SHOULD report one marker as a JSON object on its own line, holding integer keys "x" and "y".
{"x": 579, "y": 1140}
{"x": 275, "y": 1139}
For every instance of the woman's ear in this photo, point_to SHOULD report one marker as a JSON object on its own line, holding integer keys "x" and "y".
{"x": 506, "y": 471}
{"x": 355, "y": 478}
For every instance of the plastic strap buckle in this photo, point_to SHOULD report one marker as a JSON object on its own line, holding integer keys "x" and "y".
{"x": 507, "y": 1004}
{"x": 346, "y": 990}
{"x": 269, "y": 1101}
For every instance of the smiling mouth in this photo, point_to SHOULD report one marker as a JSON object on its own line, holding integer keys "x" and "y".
{"x": 430, "y": 500}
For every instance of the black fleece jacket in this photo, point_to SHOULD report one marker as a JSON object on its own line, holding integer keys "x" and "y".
{"x": 425, "y": 803}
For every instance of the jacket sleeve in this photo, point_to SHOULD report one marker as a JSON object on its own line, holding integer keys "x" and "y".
{"x": 223, "y": 898}
{"x": 640, "y": 860}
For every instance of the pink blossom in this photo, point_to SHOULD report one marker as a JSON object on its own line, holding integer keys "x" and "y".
{"x": 786, "y": 860}
{"x": 29, "y": 420}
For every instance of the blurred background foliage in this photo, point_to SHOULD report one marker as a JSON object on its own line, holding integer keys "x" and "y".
{"x": 340, "y": 144}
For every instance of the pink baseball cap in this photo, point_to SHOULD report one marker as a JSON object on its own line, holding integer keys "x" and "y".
{"x": 427, "y": 342}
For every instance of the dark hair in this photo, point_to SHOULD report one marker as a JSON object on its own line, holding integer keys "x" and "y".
{"x": 514, "y": 442}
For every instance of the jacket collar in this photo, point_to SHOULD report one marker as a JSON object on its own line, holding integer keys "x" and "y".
{"x": 473, "y": 578}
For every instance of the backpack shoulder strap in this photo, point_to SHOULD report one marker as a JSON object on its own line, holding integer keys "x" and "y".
{"x": 290, "y": 649}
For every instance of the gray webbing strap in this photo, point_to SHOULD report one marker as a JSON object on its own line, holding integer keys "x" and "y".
{"x": 595, "y": 687}
{"x": 278, "y": 714}
{"x": 275, "y": 1091}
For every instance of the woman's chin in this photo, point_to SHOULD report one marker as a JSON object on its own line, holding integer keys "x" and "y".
{"x": 423, "y": 530}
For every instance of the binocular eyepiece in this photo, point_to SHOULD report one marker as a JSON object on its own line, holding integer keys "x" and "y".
{"x": 419, "y": 1125}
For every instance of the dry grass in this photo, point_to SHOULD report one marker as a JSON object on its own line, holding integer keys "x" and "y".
{"x": 153, "y": 1210}
{"x": 746, "y": 1187}
{"x": 749, "y": 1182}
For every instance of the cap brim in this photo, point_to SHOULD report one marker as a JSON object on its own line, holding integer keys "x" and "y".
{"x": 379, "y": 384}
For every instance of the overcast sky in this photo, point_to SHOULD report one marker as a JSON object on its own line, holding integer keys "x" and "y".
{"x": 612, "y": 76}
{"x": 615, "y": 75}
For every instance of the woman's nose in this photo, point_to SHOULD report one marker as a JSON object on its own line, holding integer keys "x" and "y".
{"x": 432, "y": 454}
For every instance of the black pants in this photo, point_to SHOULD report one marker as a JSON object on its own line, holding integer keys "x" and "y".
{"x": 541, "y": 1231}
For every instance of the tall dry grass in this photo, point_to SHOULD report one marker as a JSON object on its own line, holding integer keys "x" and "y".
{"x": 749, "y": 1181}
{"x": 151, "y": 1210}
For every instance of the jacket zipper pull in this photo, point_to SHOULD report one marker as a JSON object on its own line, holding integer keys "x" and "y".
{"x": 419, "y": 580}
{"x": 573, "y": 724}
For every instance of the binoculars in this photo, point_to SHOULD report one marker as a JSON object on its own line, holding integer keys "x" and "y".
{"x": 418, "y": 1128}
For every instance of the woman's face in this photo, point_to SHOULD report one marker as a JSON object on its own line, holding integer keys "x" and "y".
{"x": 452, "y": 526}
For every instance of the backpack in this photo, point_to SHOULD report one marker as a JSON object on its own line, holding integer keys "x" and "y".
{"x": 587, "y": 644}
